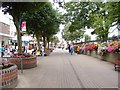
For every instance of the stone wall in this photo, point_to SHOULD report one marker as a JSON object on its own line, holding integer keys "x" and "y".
{"x": 9, "y": 77}
{"x": 28, "y": 62}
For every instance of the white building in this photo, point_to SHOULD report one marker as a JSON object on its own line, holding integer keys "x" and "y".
{"x": 6, "y": 28}
{"x": 113, "y": 31}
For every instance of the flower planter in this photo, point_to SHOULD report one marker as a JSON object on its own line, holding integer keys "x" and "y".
{"x": 89, "y": 52}
{"x": 103, "y": 57}
{"x": 110, "y": 57}
{"x": 113, "y": 57}
{"x": 94, "y": 53}
{"x": 9, "y": 77}
{"x": 85, "y": 52}
{"x": 28, "y": 62}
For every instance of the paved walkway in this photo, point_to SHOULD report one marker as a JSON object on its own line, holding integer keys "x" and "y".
{"x": 62, "y": 70}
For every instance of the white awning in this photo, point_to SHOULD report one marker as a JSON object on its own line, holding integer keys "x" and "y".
{"x": 6, "y": 35}
{"x": 24, "y": 38}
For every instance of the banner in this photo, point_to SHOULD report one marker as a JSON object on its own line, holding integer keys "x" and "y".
{"x": 24, "y": 26}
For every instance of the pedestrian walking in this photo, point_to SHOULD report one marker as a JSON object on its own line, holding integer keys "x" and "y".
{"x": 71, "y": 48}
{"x": 34, "y": 50}
{"x": 68, "y": 47}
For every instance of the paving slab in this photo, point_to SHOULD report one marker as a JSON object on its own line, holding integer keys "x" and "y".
{"x": 62, "y": 70}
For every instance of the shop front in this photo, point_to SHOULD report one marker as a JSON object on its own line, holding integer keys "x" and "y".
{"x": 4, "y": 40}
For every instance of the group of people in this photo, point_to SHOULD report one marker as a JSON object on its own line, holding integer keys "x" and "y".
{"x": 9, "y": 50}
{"x": 6, "y": 50}
{"x": 34, "y": 52}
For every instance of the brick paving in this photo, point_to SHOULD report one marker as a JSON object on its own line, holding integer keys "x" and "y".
{"x": 62, "y": 70}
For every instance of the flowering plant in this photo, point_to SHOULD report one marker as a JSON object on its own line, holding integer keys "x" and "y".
{"x": 21, "y": 55}
{"x": 113, "y": 46}
{"x": 5, "y": 63}
{"x": 86, "y": 47}
{"x": 96, "y": 47}
{"x": 82, "y": 47}
{"x": 92, "y": 46}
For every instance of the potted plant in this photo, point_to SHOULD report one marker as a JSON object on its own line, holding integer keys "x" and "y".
{"x": 9, "y": 74}
{"x": 28, "y": 60}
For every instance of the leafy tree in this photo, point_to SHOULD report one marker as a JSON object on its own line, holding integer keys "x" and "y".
{"x": 78, "y": 14}
{"x": 114, "y": 11}
{"x": 53, "y": 25}
{"x": 16, "y": 9}
{"x": 87, "y": 37}
{"x": 43, "y": 23}
{"x": 103, "y": 19}
{"x": 97, "y": 15}
{"x": 72, "y": 35}
{"x": 76, "y": 35}
{"x": 54, "y": 39}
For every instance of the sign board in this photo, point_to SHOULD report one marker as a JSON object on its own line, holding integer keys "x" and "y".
{"x": 24, "y": 26}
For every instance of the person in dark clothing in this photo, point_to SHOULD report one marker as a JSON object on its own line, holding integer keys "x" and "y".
{"x": 69, "y": 48}
{"x": 35, "y": 49}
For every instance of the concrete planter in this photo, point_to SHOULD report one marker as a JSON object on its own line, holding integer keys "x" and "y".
{"x": 28, "y": 62}
{"x": 89, "y": 52}
{"x": 94, "y": 53}
{"x": 112, "y": 57}
{"x": 9, "y": 77}
{"x": 85, "y": 52}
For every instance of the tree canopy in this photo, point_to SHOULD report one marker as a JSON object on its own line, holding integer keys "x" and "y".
{"x": 43, "y": 23}
{"x": 97, "y": 15}
{"x": 16, "y": 9}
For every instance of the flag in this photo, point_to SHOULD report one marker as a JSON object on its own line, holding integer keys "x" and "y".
{"x": 24, "y": 26}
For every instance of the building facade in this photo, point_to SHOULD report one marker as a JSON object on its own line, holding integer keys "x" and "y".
{"x": 4, "y": 34}
{"x": 7, "y": 30}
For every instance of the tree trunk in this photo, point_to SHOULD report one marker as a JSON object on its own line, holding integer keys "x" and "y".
{"x": 48, "y": 42}
{"x": 19, "y": 40}
{"x": 44, "y": 42}
{"x": 38, "y": 41}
